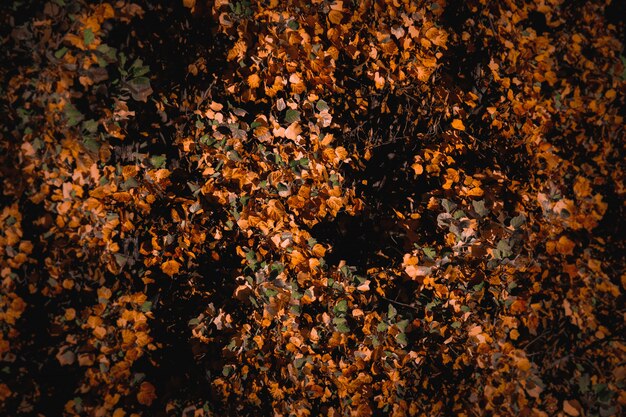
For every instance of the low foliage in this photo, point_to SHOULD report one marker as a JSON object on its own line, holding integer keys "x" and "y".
{"x": 342, "y": 208}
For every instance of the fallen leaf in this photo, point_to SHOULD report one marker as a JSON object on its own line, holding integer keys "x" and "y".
{"x": 569, "y": 408}
{"x": 170, "y": 267}
{"x": 458, "y": 124}
{"x": 146, "y": 394}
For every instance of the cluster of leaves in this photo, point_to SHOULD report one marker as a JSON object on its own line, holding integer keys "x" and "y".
{"x": 167, "y": 172}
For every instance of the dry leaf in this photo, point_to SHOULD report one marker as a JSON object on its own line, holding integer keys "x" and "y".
{"x": 458, "y": 124}
{"x": 170, "y": 267}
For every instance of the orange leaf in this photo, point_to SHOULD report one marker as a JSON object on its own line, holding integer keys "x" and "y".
{"x": 335, "y": 17}
{"x": 293, "y": 131}
{"x": 99, "y": 332}
{"x": 458, "y": 124}
{"x": 254, "y": 81}
{"x": 565, "y": 246}
{"x": 523, "y": 364}
{"x": 170, "y": 267}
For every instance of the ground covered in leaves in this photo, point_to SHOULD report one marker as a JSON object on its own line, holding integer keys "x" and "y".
{"x": 306, "y": 208}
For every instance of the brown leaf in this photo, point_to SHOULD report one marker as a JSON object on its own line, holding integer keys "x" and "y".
{"x": 570, "y": 409}
{"x": 146, "y": 394}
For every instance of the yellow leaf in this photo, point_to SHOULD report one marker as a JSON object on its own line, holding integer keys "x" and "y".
{"x": 458, "y": 124}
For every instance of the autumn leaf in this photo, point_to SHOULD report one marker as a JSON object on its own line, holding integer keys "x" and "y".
{"x": 254, "y": 81}
{"x": 458, "y": 124}
{"x": 65, "y": 357}
{"x": 170, "y": 267}
{"x": 293, "y": 131}
{"x": 304, "y": 171}
{"x": 523, "y": 364}
{"x": 146, "y": 394}
{"x": 571, "y": 408}
{"x": 565, "y": 246}
{"x": 335, "y": 17}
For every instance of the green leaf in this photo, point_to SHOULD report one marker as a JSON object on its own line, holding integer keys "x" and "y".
{"x": 74, "y": 117}
{"x": 298, "y": 362}
{"x": 129, "y": 183}
{"x": 402, "y": 325}
{"x": 517, "y": 221}
{"x": 138, "y": 69}
{"x": 391, "y": 312}
{"x": 292, "y": 116}
{"x": 158, "y": 161}
{"x": 90, "y": 125}
{"x": 147, "y": 306}
{"x": 59, "y": 54}
{"x": 121, "y": 259}
{"x": 91, "y": 144}
{"x": 583, "y": 383}
{"x": 448, "y": 205}
{"x": 108, "y": 52}
{"x": 479, "y": 207}
{"x": 382, "y": 326}
{"x": 88, "y": 36}
{"x": 341, "y": 324}
{"x": 504, "y": 248}
{"x": 321, "y": 105}
{"x": 429, "y": 252}
{"x": 401, "y": 339}
{"x": 341, "y": 306}
{"x": 140, "y": 88}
